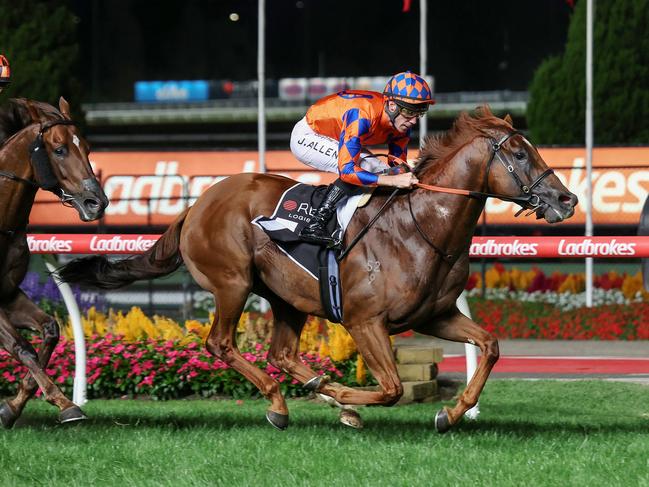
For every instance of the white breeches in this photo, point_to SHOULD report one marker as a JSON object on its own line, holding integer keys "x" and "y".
{"x": 321, "y": 152}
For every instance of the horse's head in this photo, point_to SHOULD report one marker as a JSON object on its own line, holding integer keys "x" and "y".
{"x": 515, "y": 169}
{"x": 59, "y": 157}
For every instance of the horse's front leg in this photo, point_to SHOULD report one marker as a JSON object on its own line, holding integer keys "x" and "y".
{"x": 24, "y": 314}
{"x": 12, "y": 341}
{"x": 457, "y": 327}
{"x": 373, "y": 343}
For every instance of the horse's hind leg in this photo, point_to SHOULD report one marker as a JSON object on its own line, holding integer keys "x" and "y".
{"x": 221, "y": 342}
{"x": 373, "y": 342}
{"x": 459, "y": 328}
{"x": 25, "y": 314}
{"x": 12, "y": 341}
{"x": 285, "y": 342}
{"x": 284, "y": 354}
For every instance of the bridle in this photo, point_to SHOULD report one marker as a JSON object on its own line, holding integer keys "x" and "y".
{"x": 42, "y": 166}
{"x": 528, "y": 200}
{"x": 45, "y": 177}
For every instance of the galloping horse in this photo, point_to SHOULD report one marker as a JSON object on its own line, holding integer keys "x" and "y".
{"x": 41, "y": 149}
{"x": 404, "y": 274}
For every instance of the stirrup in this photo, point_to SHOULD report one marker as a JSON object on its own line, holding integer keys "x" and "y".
{"x": 316, "y": 235}
{"x": 319, "y": 239}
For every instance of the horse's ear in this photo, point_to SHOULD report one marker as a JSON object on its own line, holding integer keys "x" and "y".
{"x": 33, "y": 112}
{"x": 508, "y": 119}
{"x": 64, "y": 107}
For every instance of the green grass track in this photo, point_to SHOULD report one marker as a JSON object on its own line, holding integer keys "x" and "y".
{"x": 530, "y": 433}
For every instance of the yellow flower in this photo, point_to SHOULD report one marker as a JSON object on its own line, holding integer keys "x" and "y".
{"x": 324, "y": 351}
{"x": 197, "y": 328}
{"x": 361, "y": 370}
{"x": 492, "y": 278}
{"x": 135, "y": 325}
{"x": 631, "y": 285}
{"x": 310, "y": 337}
{"x": 244, "y": 321}
{"x": 166, "y": 329}
{"x": 341, "y": 344}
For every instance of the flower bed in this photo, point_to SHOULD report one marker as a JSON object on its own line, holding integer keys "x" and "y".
{"x": 163, "y": 370}
{"x": 132, "y": 355}
{"x": 536, "y": 281}
{"x": 528, "y": 319}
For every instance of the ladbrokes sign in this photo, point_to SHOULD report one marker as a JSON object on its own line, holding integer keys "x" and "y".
{"x": 514, "y": 247}
{"x": 151, "y": 188}
{"x": 521, "y": 247}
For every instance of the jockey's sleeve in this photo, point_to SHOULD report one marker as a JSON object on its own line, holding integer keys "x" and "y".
{"x": 398, "y": 147}
{"x": 356, "y": 125}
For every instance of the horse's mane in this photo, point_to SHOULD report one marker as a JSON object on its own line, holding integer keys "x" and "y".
{"x": 465, "y": 128}
{"x": 15, "y": 116}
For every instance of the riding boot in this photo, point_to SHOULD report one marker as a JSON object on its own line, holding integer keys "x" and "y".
{"x": 315, "y": 231}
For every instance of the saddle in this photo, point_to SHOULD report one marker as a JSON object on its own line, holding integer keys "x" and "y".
{"x": 291, "y": 214}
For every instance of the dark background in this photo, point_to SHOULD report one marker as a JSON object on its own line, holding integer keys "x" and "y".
{"x": 473, "y": 45}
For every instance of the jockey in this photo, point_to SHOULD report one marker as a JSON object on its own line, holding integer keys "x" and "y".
{"x": 5, "y": 73}
{"x": 335, "y": 131}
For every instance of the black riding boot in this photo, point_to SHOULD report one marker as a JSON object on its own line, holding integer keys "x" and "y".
{"x": 315, "y": 231}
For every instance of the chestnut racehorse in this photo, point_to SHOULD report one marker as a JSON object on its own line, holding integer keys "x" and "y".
{"x": 406, "y": 273}
{"x": 41, "y": 149}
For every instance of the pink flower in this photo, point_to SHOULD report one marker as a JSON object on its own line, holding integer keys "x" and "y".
{"x": 147, "y": 381}
{"x": 9, "y": 376}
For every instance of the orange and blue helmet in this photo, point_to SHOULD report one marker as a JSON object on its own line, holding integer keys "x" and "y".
{"x": 5, "y": 71}
{"x": 409, "y": 88}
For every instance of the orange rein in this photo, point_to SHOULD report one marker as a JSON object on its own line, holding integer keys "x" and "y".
{"x": 442, "y": 189}
{"x": 429, "y": 187}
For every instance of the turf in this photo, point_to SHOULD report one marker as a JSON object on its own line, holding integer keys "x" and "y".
{"x": 532, "y": 433}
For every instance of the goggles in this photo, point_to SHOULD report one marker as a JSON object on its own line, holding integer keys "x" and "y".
{"x": 409, "y": 112}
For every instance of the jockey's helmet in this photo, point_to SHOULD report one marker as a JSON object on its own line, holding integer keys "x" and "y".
{"x": 410, "y": 92}
{"x": 5, "y": 72}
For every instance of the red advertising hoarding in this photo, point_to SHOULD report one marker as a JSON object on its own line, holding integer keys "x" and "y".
{"x": 151, "y": 188}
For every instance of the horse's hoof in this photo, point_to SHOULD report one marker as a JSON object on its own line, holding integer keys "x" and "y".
{"x": 279, "y": 421}
{"x": 351, "y": 418}
{"x": 316, "y": 382}
{"x": 72, "y": 414}
{"x": 442, "y": 422}
{"x": 7, "y": 416}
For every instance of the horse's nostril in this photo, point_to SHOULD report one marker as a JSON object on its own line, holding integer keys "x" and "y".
{"x": 92, "y": 205}
{"x": 565, "y": 199}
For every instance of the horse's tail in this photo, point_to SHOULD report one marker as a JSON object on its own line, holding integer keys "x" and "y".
{"x": 161, "y": 259}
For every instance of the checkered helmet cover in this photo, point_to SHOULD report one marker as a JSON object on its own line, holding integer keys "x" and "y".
{"x": 409, "y": 87}
{"x": 5, "y": 72}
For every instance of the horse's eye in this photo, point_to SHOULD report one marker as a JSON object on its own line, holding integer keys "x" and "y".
{"x": 520, "y": 155}
{"x": 60, "y": 151}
